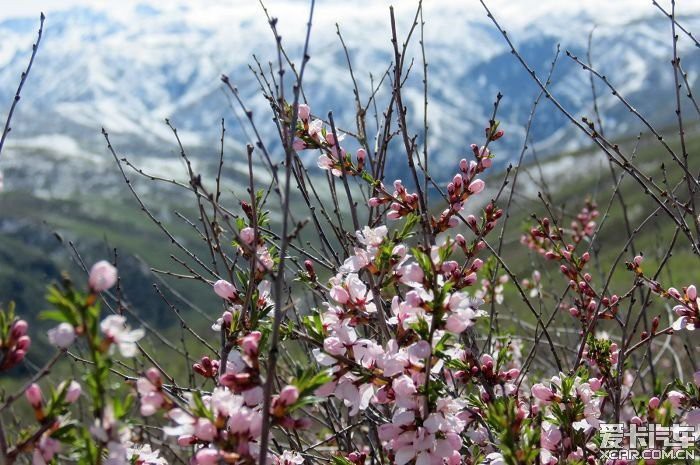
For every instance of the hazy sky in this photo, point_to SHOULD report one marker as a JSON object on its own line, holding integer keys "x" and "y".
{"x": 519, "y": 10}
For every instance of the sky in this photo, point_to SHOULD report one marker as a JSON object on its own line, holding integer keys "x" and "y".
{"x": 519, "y": 11}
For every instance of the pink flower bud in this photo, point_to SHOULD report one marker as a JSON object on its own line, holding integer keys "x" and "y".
{"x": 654, "y": 403}
{"x": 103, "y": 276}
{"x": 542, "y": 392}
{"x": 304, "y": 111}
{"x": 15, "y": 357}
{"x": 476, "y": 186}
{"x": 225, "y": 289}
{"x": 33, "y": 395}
{"x": 23, "y": 343}
{"x": 374, "y": 202}
{"x": 691, "y": 292}
{"x": 205, "y": 430}
{"x": 153, "y": 376}
{"x": 249, "y": 343}
{"x": 19, "y": 329}
{"x": 595, "y": 384}
{"x": 676, "y": 398}
{"x": 512, "y": 373}
{"x": 463, "y": 165}
{"x": 289, "y": 395}
{"x": 298, "y": 145}
{"x": 207, "y": 456}
{"x": 361, "y": 155}
{"x": 186, "y": 440}
{"x": 486, "y": 162}
{"x": 638, "y": 260}
{"x": 72, "y": 392}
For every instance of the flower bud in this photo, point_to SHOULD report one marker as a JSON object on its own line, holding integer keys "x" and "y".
{"x": 676, "y": 398}
{"x": 304, "y": 111}
{"x": 186, "y": 440}
{"x": 23, "y": 343}
{"x": 542, "y": 392}
{"x": 225, "y": 290}
{"x": 72, "y": 392}
{"x": 654, "y": 403}
{"x": 207, "y": 456}
{"x": 62, "y": 336}
{"x": 249, "y": 343}
{"x": 33, "y": 395}
{"x": 476, "y": 186}
{"x": 289, "y": 395}
{"x": 19, "y": 329}
{"x": 103, "y": 276}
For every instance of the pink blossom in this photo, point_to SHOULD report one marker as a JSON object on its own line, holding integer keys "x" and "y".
{"x": 339, "y": 294}
{"x": 115, "y": 329}
{"x": 420, "y": 349}
{"x": 550, "y": 437}
{"x": 411, "y": 275}
{"x": 247, "y": 235}
{"x": 45, "y": 450}
{"x": 333, "y": 346}
{"x": 207, "y": 456}
{"x": 693, "y": 417}
{"x": 205, "y": 430}
{"x": 403, "y": 386}
{"x": 289, "y": 458}
{"x": 62, "y": 336}
{"x": 103, "y": 276}
{"x": 151, "y": 397}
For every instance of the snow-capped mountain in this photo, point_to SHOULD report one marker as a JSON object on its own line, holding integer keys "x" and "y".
{"x": 129, "y": 68}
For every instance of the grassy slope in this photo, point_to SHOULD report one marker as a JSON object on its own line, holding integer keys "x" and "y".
{"x": 588, "y": 174}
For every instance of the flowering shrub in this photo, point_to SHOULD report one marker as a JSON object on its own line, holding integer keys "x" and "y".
{"x": 383, "y": 343}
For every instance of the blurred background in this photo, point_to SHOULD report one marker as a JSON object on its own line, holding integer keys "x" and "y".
{"x": 127, "y": 65}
